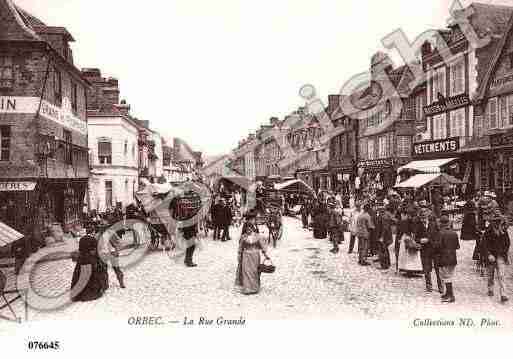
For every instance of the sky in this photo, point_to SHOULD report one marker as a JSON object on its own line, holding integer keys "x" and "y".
{"x": 211, "y": 72}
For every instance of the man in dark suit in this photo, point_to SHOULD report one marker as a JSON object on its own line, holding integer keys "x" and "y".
{"x": 225, "y": 220}
{"x": 447, "y": 260}
{"x": 427, "y": 234}
{"x": 214, "y": 214}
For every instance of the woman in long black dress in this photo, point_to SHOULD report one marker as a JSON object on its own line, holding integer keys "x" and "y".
{"x": 469, "y": 225}
{"x": 90, "y": 277}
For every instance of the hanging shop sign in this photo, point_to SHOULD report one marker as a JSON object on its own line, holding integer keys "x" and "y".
{"x": 447, "y": 145}
{"x": 446, "y": 104}
{"x": 63, "y": 116}
{"x": 17, "y": 186}
{"x": 502, "y": 139}
{"x": 386, "y": 162}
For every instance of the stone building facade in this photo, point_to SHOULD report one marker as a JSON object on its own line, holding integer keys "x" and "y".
{"x": 43, "y": 126}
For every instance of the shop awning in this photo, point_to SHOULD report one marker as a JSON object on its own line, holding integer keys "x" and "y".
{"x": 295, "y": 186}
{"x": 430, "y": 166}
{"x": 8, "y": 235}
{"x": 434, "y": 179}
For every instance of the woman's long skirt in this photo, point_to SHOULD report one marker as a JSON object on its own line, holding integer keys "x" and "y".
{"x": 248, "y": 276}
{"x": 97, "y": 279}
{"x": 409, "y": 260}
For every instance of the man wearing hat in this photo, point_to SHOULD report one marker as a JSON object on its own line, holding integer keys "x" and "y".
{"x": 334, "y": 224}
{"x": 447, "y": 259}
{"x": 426, "y": 233}
{"x": 495, "y": 249}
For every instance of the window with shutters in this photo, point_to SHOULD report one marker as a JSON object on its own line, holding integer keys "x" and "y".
{"x": 68, "y": 147}
{"x": 457, "y": 124}
{"x": 108, "y": 194}
{"x": 503, "y": 112}
{"x": 5, "y": 143}
{"x": 438, "y": 83}
{"x": 370, "y": 149}
{"x": 420, "y": 102}
{"x": 57, "y": 86}
{"x": 6, "y": 72}
{"x": 457, "y": 78}
{"x": 439, "y": 127}
{"x": 363, "y": 149}
{"x": 403, "y": 146}
{"x": 74, "y": 97}
{"x": 492, "y": 113}
{"x": 105, "y": 152}
{"x": 382, "y": 146}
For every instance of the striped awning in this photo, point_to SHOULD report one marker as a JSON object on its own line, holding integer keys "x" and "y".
{"x": 8, "y": 235}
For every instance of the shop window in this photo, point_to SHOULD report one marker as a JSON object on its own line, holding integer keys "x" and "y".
{"x": 457, "y": 125}
{"x": 68, "y": 147}
{"x": 457, "y": 78}
{"x": 104, "y": 152}
{"x": 108, "y": 194}
{"x": 363, "y": 149}
{"x": 57, "y": 86}
{"x": 74, "y": 97}
{"x": 5, "y": 143}
{"x": 492, "y": 113}
{"x": 6, "y": 72}
{"x": 403, "y": 146}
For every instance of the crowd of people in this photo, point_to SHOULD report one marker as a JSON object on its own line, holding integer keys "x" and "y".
{"x": 420, "y": 231}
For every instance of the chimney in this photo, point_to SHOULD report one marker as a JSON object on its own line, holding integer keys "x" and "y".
{"x": 426, "y": 48}
{"x": 274, "y": 121}
{"x": 123, "y": 107}
{"x": 110, "y": 92}
{"x": 333, "y": 102}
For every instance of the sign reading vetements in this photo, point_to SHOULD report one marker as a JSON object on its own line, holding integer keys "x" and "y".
{"x": 447, "y": 145}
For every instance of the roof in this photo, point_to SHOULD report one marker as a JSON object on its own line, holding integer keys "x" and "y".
{"x": 494, "y": 61}
{"x": 8, "y": 235}
{"x": 16, "y": 24}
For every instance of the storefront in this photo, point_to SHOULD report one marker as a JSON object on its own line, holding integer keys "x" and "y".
{"x": 377, "y": 174}
{"x": 343, "y": 175}
{"x": 502, "y": 149}
{"x": 30, "y": 207}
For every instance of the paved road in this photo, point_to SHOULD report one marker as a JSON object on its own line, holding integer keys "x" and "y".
{"x": 310, "y": 283}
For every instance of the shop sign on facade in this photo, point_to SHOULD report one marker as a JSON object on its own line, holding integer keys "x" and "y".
{"x": 503, "y": 139}
{"x": 386, "y": 162}
{"x": 17, "y": 186}
{"x": 446, "y": 104}
{"x": 63, "y": 116}
{"x": 446, "y": 145}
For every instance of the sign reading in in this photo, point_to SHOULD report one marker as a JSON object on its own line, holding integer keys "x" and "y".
{"x": 447, "y": 104}
{"x": 447, "y": 145}
{"x": 503, "y": 139}
{"x": 14, "y": 104}
{"x": 17, "y": 186}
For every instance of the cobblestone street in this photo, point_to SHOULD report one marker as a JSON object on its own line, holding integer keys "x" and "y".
{"x": 310, "y": 283}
